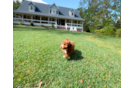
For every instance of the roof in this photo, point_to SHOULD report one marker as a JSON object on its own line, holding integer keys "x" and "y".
{"x": 44, "y": 11}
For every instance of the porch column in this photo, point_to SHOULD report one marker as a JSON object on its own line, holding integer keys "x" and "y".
{"x": 71, "y": 23}
{"x": 56, "y": 22}
{"x": 22, "y": 17}
{"x": 77, "y": 22}
{"x": 40, "y": 19}
{"x": 15, "y": 15}
{"x": 31, "y": 18}
{"x": 48, "y": 20}
{"x": 82, "y": 26}
{"x": 66, "y": 24}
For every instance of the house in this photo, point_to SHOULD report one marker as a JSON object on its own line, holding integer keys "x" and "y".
{"x": 44, "y": 14}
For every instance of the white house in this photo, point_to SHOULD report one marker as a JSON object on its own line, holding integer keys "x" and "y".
{"x": 44, "y": 14}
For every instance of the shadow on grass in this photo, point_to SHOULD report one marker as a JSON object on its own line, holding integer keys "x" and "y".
{"x": 76, "y": 55}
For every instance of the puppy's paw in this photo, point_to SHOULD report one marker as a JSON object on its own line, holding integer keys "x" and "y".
{"x": 64, "y": 57}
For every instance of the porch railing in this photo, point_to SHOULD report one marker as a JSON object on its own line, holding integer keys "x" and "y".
{"x": 72, "y": 26}
{"x": 35, "y": 21}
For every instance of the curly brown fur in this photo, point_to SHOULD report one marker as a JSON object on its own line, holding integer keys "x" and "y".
{"x": 68, "y": 47}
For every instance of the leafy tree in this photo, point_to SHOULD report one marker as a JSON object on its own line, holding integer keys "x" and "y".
{"x": 101, "y": 16}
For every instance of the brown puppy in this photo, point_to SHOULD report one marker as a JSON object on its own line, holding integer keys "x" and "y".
{"x": 68, "y": 47}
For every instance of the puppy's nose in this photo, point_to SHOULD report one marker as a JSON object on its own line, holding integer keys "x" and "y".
{"x": 60, "y": 46}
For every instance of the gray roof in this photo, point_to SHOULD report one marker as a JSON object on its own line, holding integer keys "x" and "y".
{"x": 43, "y": 10}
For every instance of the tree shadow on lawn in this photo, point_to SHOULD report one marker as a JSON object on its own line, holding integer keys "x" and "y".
{"x": 76, "y": 55}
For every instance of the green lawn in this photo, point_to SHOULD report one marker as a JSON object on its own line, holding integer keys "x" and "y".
{"x": 95, "y": 63}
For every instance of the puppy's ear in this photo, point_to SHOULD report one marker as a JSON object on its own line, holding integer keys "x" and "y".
{"x": 69, "y": 43}
{"x": 66, "y": 39}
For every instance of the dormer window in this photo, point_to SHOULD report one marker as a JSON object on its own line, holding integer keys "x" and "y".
{"x": 71, "y": 12}
{"x": 54, "y": 9}
{"x": 31, "y": 7}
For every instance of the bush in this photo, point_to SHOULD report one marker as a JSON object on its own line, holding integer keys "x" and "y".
{"x": 86, "y": 29}
{"x": 53, "y": 26}
{"x": 118, "y": 33}
{"x": 40, "y": 25}
{"x": 92, "y": 29}
{"x": 21, "y": 23}
{"x": 107, "y": 30}
{"x": 99, "y": 32}
{"x": 31, "y": 23}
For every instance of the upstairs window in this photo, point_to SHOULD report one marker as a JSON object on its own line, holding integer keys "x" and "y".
{"x": 31, "y": 7}
{"x": 54, "y": 12}
{"x": 54, "y": 9}
{"x": 72, "y": 14}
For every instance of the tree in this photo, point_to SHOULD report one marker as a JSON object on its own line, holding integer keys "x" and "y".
{"x": 16, "y": 4}
{"x": 100, "y": 15}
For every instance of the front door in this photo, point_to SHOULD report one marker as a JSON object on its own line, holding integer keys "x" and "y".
{"x": 61, "y": 22}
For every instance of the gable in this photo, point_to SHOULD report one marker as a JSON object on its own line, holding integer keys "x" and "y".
{"x": 72, "y": 10}
{"x": 54, "y": 6}
{"x": 31, "y": 7}
{"x": 31, "y": 3}
{"x": 34, "y": 7}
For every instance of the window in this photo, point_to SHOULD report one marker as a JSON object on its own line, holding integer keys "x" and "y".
{"x": 36, "y": 17}
{"x": 28, "y": 17}
{"x": 24, "y": 16}
{"x": 53, "y": 11}
{"x": 31, "y": 8}
{"x": 71, "y": 13}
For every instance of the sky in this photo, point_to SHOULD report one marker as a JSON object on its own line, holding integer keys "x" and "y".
{"x": 64, "y": 3}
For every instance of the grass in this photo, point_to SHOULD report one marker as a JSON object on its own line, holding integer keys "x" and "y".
{"x": 37, "y": 57}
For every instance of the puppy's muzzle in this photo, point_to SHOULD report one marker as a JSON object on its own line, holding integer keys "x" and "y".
{"x": 61, "y": 46}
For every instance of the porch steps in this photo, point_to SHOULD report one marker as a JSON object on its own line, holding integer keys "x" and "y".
{"x": 62, "y": 28}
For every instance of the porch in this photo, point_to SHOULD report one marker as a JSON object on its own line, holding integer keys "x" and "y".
{"x": 66, "y": 24}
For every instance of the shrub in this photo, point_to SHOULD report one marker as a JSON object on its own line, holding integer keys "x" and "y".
{"x": 21, "y": 23}
{"x": 31, "y": 23}
{"x": 98, "y": 32}
{"x": 118, "y": 33}
{"x": 92, "y": 29}
{"x": 40, "y": 25}
{"x": 105, "y": 31}
{"x": 53, "y": 26}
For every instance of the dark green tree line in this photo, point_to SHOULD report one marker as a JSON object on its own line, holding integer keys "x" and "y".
{"x": 101, "y": 16}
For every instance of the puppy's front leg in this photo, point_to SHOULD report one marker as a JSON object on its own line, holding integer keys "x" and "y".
{"x": 65, "y": 56}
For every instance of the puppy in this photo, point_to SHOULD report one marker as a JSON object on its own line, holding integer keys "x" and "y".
{"x": 68, "y": 47}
